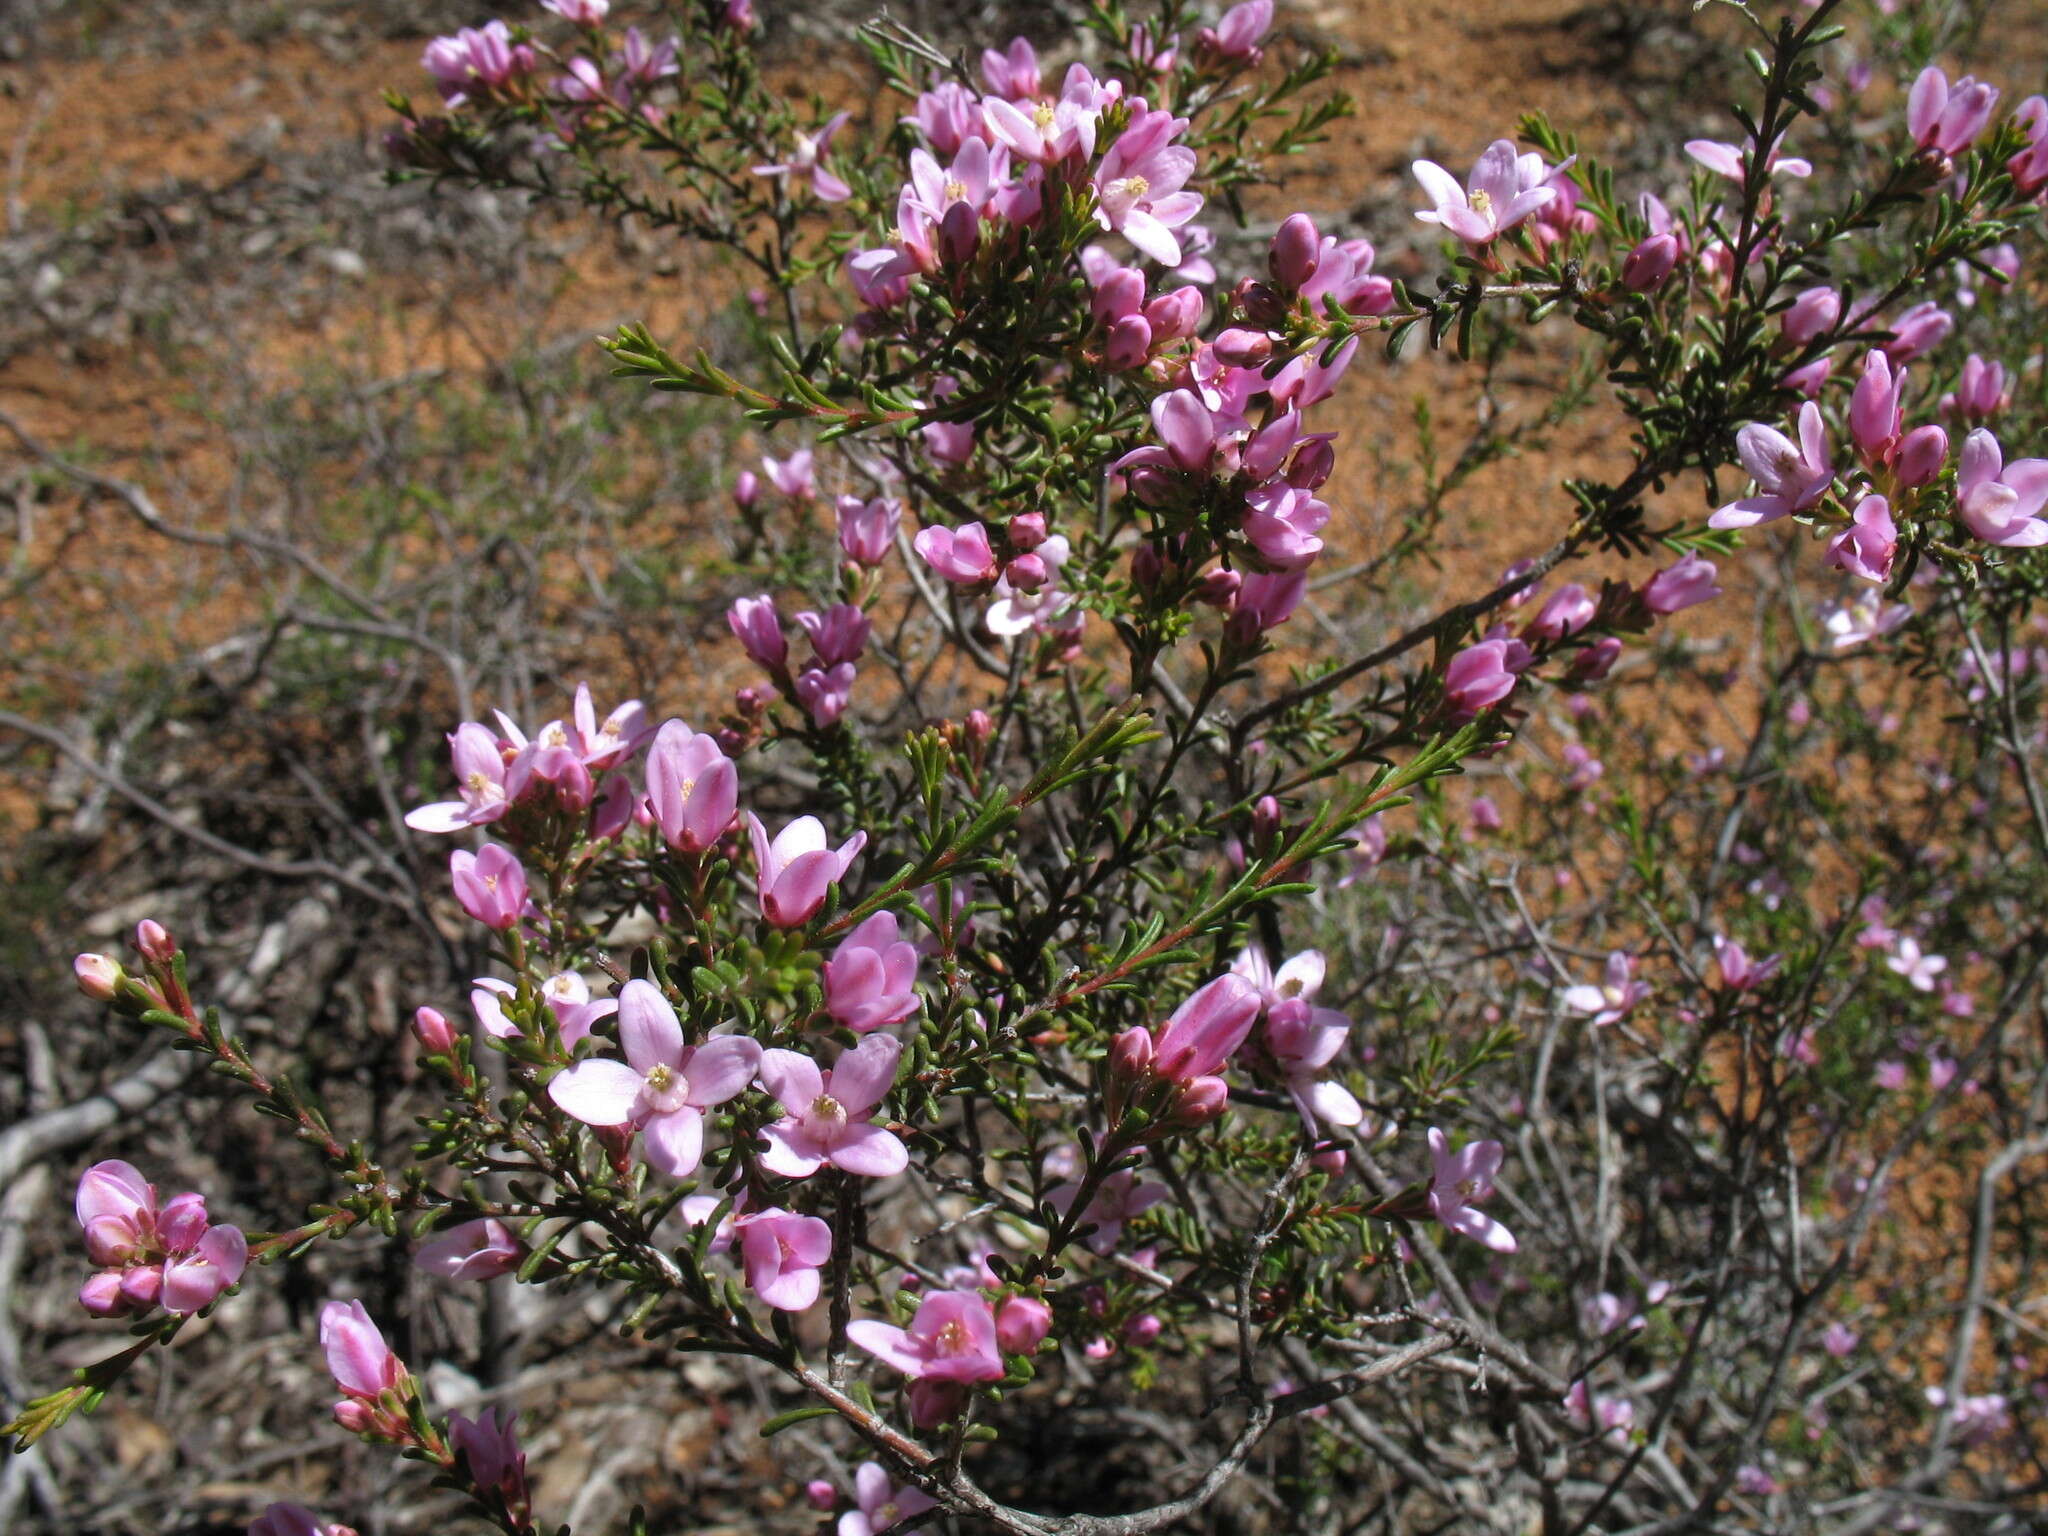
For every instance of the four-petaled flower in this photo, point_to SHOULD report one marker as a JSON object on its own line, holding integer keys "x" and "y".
{"x": 1460, "y": 1181}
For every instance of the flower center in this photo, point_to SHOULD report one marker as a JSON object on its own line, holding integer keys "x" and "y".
{"x": 887, "y": 1516}
{"x": 952, "y": 1339}
{"x": 554, "y": 736}
{"x": 825, "y": 1107}
{"x": 1468, "y": 1189}
{"x": 660, "y": 1078}
{"x": 1135, "y": 186}
{"x": 478, "y": 782}
{"x": 956, "y": 190}
{"x": 1042, "y": 114}
{"x": 1482, "y": 202}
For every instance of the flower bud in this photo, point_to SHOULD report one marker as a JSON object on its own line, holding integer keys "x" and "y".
{"x": 431, "y": 1028}
{"x": 1027, "y": 531}
{"x": 1816, "y": 310}
{"x": 1243, "y": 348}
{"x": 1146, "y": 567}
{"x": 1328, "y": 1160}
{"x": 1218, "y": 587}
{"x": 1130, "y": 1055}
{"x": 979, "y": 728}
{"x": 1027, "y": 573}
{"x": 746, "y": 489}
{"x": 821, "y": 1495}
{"x": 1646, "y": 267}
{"x": 1312, "y": 463}
{"x": 1203, "y": 1100}
{"x": 1265, "y": 821}
{"x": 98, "y": 976}
{"x": 1143, "y": 1328}
{"x": 1260, "y": 304}
{"x": 1296, "y": 251}
{"x": 154, "y": 942}
{"x": 1922, "y": 452}
{"x": 959, "y": 234}
{"x": 1022, "y": 1323}
{"x": 1130, "y": 344}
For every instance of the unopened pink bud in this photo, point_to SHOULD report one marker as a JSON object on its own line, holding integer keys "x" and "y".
{"x": 821, "y": 1495}
{"x": 746, "y": 489}
{"x": 1218, "y": 587}
{"x": 1646, "y": 267}
{"x": 1244, "y": 349}
{"x": 959, "y": 234}
{"x": 1265, "y": 820}
{"x": 97, "y": 976}
{"x": 1922, "y": 452}
{"x": 154, "y": 942}
{"x": 1130, "y": 1056}
{"x": 432, "y": 1029}
{"x": 1027, "y": 573}
{"x": 1027, "y": 531}
{"x": 1143, "y": 1328}
{"x": 1296, "y": 251}
{"x": 1146, "y": 567}
{"x": 1329, "y": 1161}
{"x": 1022, "y": 1323}
{"x": 1203, "y": 1100}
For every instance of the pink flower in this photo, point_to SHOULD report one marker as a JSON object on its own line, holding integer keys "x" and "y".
{"x": 882, "y": 1503}
{"x": 1022, "y": 1322}
{"x": 782, "y": 1252}
{"x": 693, "y": 789}
{"x": 1919, "y": 969}
{"x": 1616, "y": 996}
{"x": 1683, "y": 585}
{"x": 1478, "y": 678}
{"x": 1999, "y": 503}
{"x": 1889, "y": 1075}
{"x": 1732, "y": 160}
{"x": 474, "y": 1250}
{"x": 361, "y": 1363}
{"x": 868, "y": 528}
{"x": 1980, "y": 392}
{"x": 829, "y": 1113}
{"x": 1920, "y": 329}
{"x": 1368, "y": 847}
{"x": 490, "y": 1447}
{"x": 1206, "y": 1030}
{"x": 1504, "y": 189}
{"x": 663, "y": 1087}
{"x": 825, "y": 692}
{"x": 1138, "y": 186}
{"x": 964, "y": 557}
{"x": 1861, "y": 618}
{"x": 1117, "y": 1199}
{"x": 796, "y": 869}
{"x": 871, "y": 979}
{"x": 476, "y": 61}
{"x": 1839, "y": 1339}
{"x": 151, "y": 1255}
{"x": 839, "y": 634}
{"x": 1875, "y": 417}
{"x": 1051, "y": 130}
{"x": 490, "y": 884}
{"x": 1789, "y": 477}
{"x": 1459, "y": 1182}
{"x": 1012, "y": 74}
{"x": 1813, "y": 313}
{"x": 754, "y": 621}
{"x": 792, "y": 476}
{"x": 1866, "y": 547}
{"x": 1944, "y": 119}
{"x": 1281, "y": 522}
{"x": 1237, "y": 35}
{"x": 1739, "y": 973}
{"x": 484, "y": 781}
{"x": 808, "y": 160}
{"x": 952, "y": 1338}
{"x": 1568, "y": 610}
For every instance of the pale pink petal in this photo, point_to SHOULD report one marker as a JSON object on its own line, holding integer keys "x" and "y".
{"x": 597, "y": 1092}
